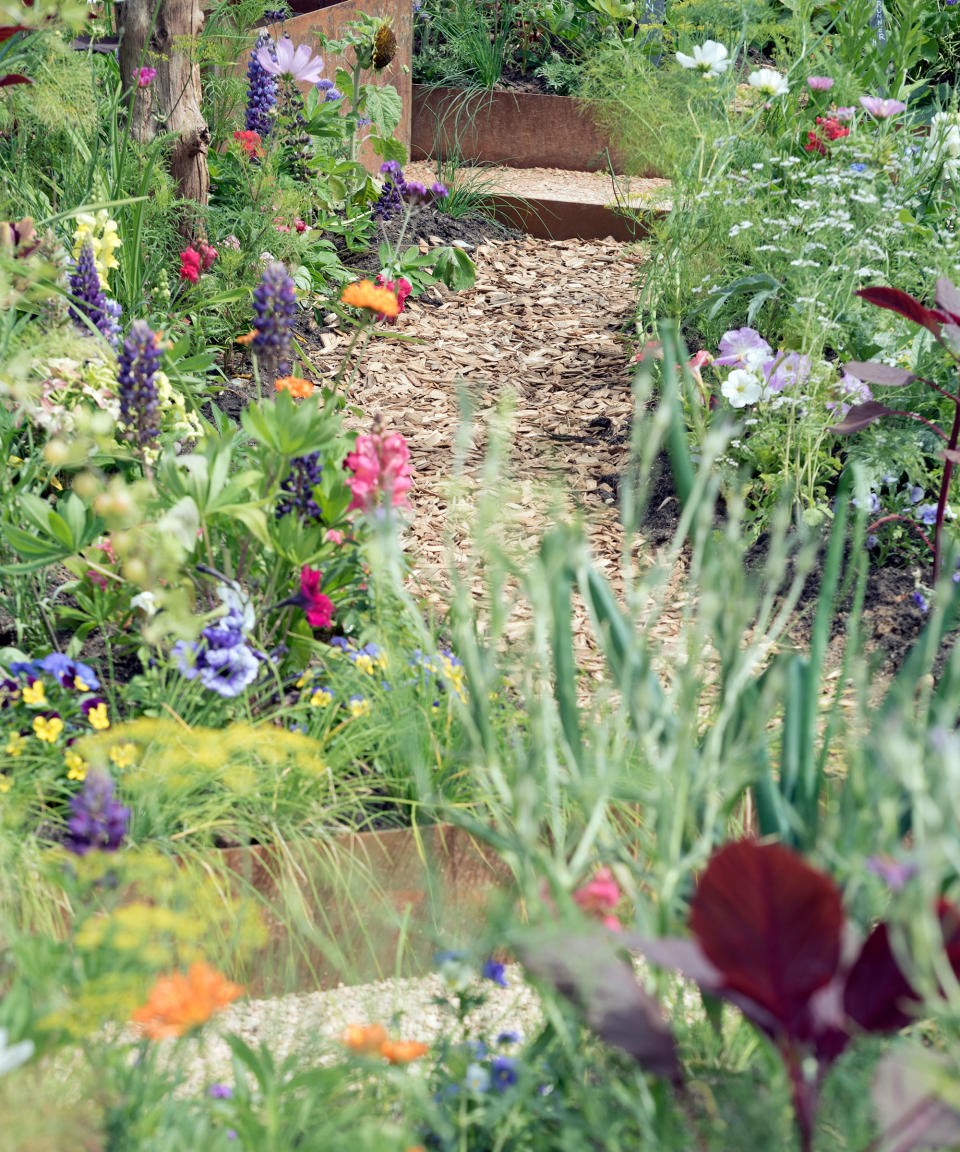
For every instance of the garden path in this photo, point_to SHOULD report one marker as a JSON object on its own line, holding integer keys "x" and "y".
{"x": 543, "y": 323}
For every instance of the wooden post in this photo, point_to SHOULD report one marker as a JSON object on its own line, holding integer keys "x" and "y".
{"x": 160, "y": 34}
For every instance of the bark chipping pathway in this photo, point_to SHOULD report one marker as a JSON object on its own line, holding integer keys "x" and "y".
{"x": 542, "y": 323}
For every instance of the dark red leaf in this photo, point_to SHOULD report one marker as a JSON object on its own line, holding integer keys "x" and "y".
{"x": 948, "y": 297}
{"x": 588, "y": 971}
{"x": 906, "y": 305}
{"x": 771, "y": 924}
{"x": 8, "y": 30}
{"x": 861, "y": 416}
{"x": 14, "y": 78}
{"x": 873, "y": 372}
{"x": 877, "y": 991}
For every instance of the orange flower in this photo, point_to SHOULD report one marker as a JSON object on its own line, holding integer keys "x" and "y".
{"x": 365, "y": 294}
{"x": 364, "y": 1038}
{"x": 295, "y": 385}
{"x": 248, "y": 337}
{"x": 403, "y": 1051}
{"x": 179, "y": 1003}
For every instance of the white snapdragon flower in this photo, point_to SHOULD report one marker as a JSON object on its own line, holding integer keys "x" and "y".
{"x": 770, "y": 82}
{"x": 709, "y": 58}
{"x": 741, "y": 388}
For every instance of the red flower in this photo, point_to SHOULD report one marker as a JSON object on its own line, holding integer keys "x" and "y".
{"x": 207, "y": 256}
{"x": 814, "y": 144}
{"x": 832, "y": 128}
{"x": 319, "y": 608}
{"x": 401, "y": 288}
{"x": 190, "y": 264}
{"x": 249, "y": 142}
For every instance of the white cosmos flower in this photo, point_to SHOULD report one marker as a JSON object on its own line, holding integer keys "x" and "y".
{"x": 14, "y": 1055}
{"x": 710, "y": 58}
{"x": 741, "y": 388}
{"x": 769, "y": 82}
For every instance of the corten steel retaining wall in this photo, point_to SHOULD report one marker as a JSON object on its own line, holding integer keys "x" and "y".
{"x": 330, "y": 20}
{"x": 367, "y": 903}
{"x": 517, "y": 129}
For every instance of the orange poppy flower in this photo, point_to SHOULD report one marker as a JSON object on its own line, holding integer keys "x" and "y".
{"x": 248, "y": 337}
{"x": 365, "y": 294}
{"x": 403, "y": 1051}
{"x": 295, "y": 385}
{"x": 364, "y": 1038}
{"x": 179, "y": 1003}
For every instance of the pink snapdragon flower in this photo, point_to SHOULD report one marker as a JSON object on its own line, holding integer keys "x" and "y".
{"x": 882, "y": 109}
{"x": 381, "y": 471}
{"x": 317, "y": 607}
{"x": 144, "y": 76}
{"x": 598, "y": 898}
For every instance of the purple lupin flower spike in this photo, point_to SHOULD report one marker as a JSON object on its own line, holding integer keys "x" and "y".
{"x": 89, "y": 298}
{"x": 98, "y": 822}
{"x": 139, "y": 361}
{"x": 275, "y": 309}
{"x": 261, "y": 90}
{"x": 297, "y": 488}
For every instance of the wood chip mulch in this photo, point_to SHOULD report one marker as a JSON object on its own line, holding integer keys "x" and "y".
{"x": 542, "y": 324}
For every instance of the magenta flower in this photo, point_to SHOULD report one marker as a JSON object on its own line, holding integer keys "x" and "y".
{"x": 297, "y": 63}
{"x": 144, "y": 76}
{"x": 598, "y": 898}
{"x": 318, "y": 608}
{"x": 882, "y": 109}
{"x": 381, "y": 469}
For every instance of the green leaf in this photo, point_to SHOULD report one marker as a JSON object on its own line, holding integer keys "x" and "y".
{"x": 455, "y": 268}
{"x": 384, "y": 108}
{"x": 389, "y": 148}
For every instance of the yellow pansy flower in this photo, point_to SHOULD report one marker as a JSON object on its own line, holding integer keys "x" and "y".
{"x": 47, "y": 728}
{"x": 358, "y": 706}
{"x": 98, "y": 717}
{"x": 123, "y": 755}
{"x": 76, "y": 765}
{"x": 321, "y": 698}
{"x": 34, "y": 694}
{"x": 5, "y": 783}
{"x": 15, "y": 744}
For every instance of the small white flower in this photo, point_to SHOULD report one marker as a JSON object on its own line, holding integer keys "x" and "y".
{"x": 145, "y": 601}
{"x": 710, "y": 58}
{"x": 13, "y": 1056}
{"x": 769, "y": 82}
{"x": 741, "y": 388}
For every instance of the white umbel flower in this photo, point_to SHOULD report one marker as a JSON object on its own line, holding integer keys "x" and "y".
{"x": 709, "y": 58}
{"x": 769, "y": 82}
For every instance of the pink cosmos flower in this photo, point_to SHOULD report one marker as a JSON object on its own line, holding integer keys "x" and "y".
{"x": 882, "y": 109}
{"x": 598, "y": 898}
{"x": 318, "y": 608}
{"x": 820, "y": 83}
{"x": 381, "y": 471}
{"x": 298, "y": 63}
{"x": 144, "y": 76}
{"x": 844, "y": 114}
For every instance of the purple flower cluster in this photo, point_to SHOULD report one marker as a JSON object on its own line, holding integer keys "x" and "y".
{"x": 261, "y": 89}
{"x": 398, "y": 191}
{"x": 71, "y": 673}
{"x": 90, "y": 301}
{"x": 274, "y": 15}
{"x": 275, "y": 309}
{"x": 330, "y": 92}
{"x": 139, "y": 362}
{"x": 98, "y": 822}
{"x": 222, "y": 658}
{"x": 298, "y": 486}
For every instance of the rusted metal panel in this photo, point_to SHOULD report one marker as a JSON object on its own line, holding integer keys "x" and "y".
{"x": 518, "y": 129}
{"x": 568, "y": 219}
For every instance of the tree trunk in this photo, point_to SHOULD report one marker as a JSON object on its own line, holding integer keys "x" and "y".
{"x": 171, "y": 102}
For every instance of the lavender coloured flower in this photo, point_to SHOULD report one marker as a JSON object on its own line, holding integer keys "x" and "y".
{"x": 297, "y": 488}
{"x": 261, "y": 90}
{"x": 139, "y": 361}
{"x": 222, "y": 658}
{"x": 439, "y": 191}
{"x": 503, "y": 1072}
{"x": 97, "y": 821}
{"x": 920, "y": 601}
{"x": 275, "y": 308}
{"x": 415, "y": 193}
{"x": 494, "y": 970}
{"x": 90, "y": 302}
{"x": 391, "y": 198}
